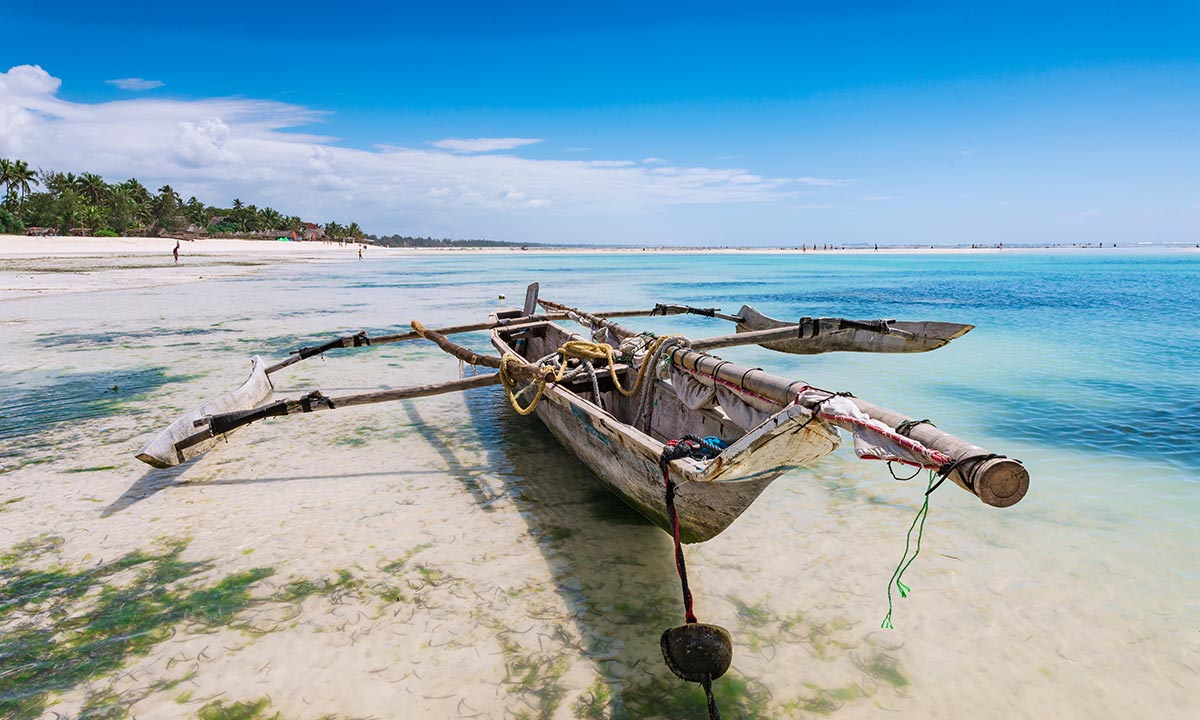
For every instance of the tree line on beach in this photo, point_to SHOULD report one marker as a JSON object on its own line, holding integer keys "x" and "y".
{"x": 429, "y": 242}
{"x": 87, "y": 205}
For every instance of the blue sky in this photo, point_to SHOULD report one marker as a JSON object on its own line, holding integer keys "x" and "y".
{"x": 939, "y": 123}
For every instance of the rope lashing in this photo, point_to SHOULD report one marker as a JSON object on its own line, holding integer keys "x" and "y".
{"x": 316, "y": 396}
{"x": 510, "y": 384}
{"x": 905, "y": 428}
{"x": 661, "y": 309}
{"x": 958, "y": 464}
{"x": 694, "y": 652}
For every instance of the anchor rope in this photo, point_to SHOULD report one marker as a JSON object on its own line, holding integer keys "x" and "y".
{"x": 699, "y": 448}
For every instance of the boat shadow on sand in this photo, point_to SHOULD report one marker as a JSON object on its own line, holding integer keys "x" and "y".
{"x": 612, "y": 568}
{"x": 156, "y": 480}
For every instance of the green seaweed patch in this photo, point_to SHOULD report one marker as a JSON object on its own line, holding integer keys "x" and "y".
{"x": 337, "y": 588}
{"x": 66, "y": 628}
{"x": 11, "y": 501}
{"x": 241, "y": 710}
{"x": 47, "y": 402}
{"x": 395, "y": 567}
{"x": 667, "y": 696}
{"x": 884, "y": 667}
{"x": 596, "y": 703}
{"x": 104, "y": 705}
{"x": 752, "y": 615}
{"x": 536, "y": 677}
{"x": 96, "y": 468}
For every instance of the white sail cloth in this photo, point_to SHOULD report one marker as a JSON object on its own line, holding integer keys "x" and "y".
{"x": 701, "y": 391}
{"x": 873, "y": 440}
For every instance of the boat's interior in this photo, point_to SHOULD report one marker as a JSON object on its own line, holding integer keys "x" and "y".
{"x": 656, "y": 410}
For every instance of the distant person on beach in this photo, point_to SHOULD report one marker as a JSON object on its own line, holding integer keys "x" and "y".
{"x": 360, "y": 253}
{"x": 175, "y": 252}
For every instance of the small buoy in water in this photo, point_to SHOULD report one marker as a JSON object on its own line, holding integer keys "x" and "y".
{"x": 501, "y": 297}
{"x": 697, "y": 651}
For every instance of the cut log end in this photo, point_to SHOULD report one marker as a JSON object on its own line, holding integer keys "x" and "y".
{"x": 1001, "y": 482}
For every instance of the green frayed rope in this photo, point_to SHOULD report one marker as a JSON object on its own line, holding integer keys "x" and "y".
{"x": 905, "y": 560}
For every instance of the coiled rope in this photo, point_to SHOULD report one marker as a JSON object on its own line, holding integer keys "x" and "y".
{"x": 588, "y": 353}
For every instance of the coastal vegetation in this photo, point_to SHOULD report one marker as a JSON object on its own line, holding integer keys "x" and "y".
{"x": 86, "y": 204}
{"x": 429, "y": 242}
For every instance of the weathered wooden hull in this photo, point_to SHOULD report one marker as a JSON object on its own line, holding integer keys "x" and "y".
{"x": 925, "y": 336}
{"x": 179, "y": 442}
{"x": 710, "y": 495}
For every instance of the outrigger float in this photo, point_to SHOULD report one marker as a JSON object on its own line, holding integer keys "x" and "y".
{"x": 686, "y": 438}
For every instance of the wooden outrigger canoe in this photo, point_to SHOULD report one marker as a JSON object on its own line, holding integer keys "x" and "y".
{"x": 768, "y": 424}
{"x": 623, "y": 450}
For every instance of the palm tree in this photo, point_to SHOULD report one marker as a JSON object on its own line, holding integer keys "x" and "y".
{"x": 22, "y": 178}
{"x": 238, "y": 204}
{"x": 195, "y": 211}
{"x": 92, "y": 187}
{"x": 166, "y": 208}
{"x": 123, "y": 207}
{"x": 272, "y": 218}
{"x": 6, "y": 179}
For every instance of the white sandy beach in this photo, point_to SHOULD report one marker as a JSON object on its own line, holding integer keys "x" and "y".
{"x": 443, "y": 558}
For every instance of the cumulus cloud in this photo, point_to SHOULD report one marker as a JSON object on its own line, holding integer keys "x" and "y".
{"x": 136, "y": 84}
{"x": 483, "y": 145}
{"x": 221, "y": 148}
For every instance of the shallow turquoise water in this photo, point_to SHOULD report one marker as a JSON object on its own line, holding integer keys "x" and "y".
{"x": 1080, "y": 601}
{"x": 1088, "y": 352}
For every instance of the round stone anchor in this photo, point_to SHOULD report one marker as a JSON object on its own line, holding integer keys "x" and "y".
{"x": 697, "y": 651}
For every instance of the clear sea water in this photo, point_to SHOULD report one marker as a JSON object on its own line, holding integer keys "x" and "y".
{"x": 1080, "y": 601}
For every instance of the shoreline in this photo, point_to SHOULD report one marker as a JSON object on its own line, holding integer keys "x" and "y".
{"x": 22, "y": 246}
{"x": 40, "y": 266}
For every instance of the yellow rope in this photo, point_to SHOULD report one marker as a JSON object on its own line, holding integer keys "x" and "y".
{"x": 579, "y": 350}
{"x": 584, "y": 350}
{"x": 510, "y": 384}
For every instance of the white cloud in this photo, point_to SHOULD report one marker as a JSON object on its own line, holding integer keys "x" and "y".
{"x": 652, "y": 161}
{"x": 483, "y": 145}
{"x": 821, "y": 182}
{"x": 136, "y": 84}
{"x": 222, "y": 148}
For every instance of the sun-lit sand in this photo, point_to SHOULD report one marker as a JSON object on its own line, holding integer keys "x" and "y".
{"x": 444, "y": 558}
